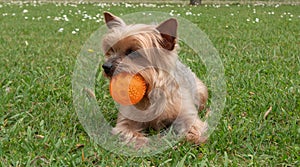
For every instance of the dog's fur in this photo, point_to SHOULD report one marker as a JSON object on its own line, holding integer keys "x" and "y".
{"x": 174, "y": 93}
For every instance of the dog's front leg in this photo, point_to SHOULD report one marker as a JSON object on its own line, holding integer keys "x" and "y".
{"x": 189, "y": 124}
{"x": 130, "y": 132}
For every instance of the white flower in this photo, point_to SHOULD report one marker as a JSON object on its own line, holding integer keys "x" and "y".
{"x": 248, "y": 19}
{"x": 73, "y": 32}
{"x": 256, "y": 20}
{"x": 65, "y": 18}
{"x": 56, "y": 18}
{"x": 77, "y": 29}
{"x": 127, "y": 5}
{"x": 7, "y": 89}
{"x": 61, "y": 30}
{"x": 188, "y": 13}
{"x": 25, "y": 11}
{"x": 171, "y": 13}
{"x": 25, "y": 18}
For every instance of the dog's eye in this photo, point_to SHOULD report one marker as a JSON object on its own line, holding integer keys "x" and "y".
{"x": 129, "y": 51}
{"x": 109, "y": 52}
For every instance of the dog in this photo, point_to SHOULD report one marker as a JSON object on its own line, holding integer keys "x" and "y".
{"x": 174, "y": 94}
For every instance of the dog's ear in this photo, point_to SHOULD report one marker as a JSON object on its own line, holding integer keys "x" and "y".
{"x": 168, "y": 31}
{"x": 113, "y": 21}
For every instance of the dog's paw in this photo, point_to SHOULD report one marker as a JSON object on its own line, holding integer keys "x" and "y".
{"x": 140, "y": 142}
{"x": 134, "y": 139}
{"x": 196, "y": 134}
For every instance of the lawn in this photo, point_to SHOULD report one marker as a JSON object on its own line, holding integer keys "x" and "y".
{"x": 259, "y": 46}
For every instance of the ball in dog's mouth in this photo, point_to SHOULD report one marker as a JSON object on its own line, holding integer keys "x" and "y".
{"x": 127, "y": 89}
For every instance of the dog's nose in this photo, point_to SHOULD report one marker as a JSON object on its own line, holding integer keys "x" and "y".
{"x": 107, "y": 67}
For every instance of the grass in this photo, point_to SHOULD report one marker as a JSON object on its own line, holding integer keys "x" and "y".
{"x": 259, "y": 47}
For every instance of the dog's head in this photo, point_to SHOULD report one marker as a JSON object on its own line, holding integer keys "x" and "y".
{"x": 139, "y": 48}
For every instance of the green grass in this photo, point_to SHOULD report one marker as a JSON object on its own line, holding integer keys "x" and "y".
{"x": 39, "y": 126}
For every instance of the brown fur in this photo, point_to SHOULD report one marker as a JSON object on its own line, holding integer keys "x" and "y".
{"x": 173, "y": 90}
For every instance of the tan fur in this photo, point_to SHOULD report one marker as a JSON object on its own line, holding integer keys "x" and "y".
{"x": 173, "y": 90}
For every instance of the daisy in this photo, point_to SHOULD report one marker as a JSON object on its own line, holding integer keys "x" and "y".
{"x": 61, "y": 30}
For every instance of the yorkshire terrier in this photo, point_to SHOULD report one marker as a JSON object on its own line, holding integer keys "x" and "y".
{"x": 174, "y": 94}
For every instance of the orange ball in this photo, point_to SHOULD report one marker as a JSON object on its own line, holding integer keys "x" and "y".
{"x": 127, "y": 89}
